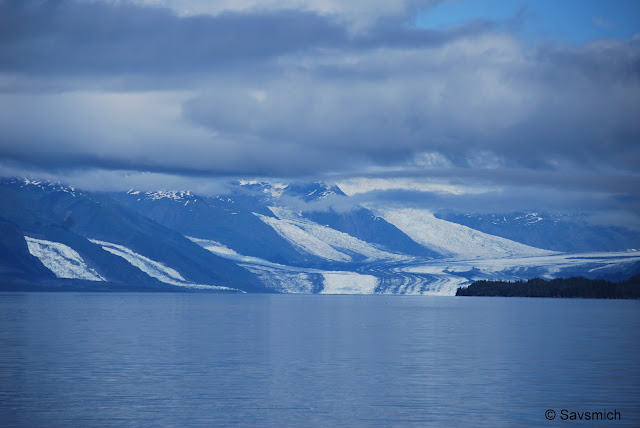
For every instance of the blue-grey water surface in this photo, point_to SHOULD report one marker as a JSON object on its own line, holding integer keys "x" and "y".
{"x": 129, "y": 359}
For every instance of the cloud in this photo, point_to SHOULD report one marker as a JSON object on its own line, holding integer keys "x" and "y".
{"x": 293, "y": 91}
{"x": 599, "y": 203}
{"x": 320, "y": 88}
{"x": 98, "y": 38}
{"x": 481, "y": 100}
{"x": 358, "y": 14}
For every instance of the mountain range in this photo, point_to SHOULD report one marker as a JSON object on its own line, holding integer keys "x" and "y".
{"x": 270, "y": 237}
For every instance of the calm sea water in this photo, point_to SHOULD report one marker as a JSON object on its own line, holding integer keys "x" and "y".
{"x": 127, "y": 359}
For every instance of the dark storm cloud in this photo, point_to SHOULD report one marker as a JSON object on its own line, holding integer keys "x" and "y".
{"x": 591, "y": 97}
{"x": 102, "y": 38}
{"x": 64, "y": 36}
{"x": 65, "y": 49}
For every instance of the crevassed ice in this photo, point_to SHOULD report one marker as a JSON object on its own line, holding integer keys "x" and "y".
{"x": 281, "y": 280}
{"x": 62, "y": 260}
{"x": 348, "y": 283}
{"x": 289, "y": 279}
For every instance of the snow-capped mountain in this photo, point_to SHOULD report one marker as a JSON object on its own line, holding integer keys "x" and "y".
{"x": 271, "y": 192}
{"x": 231, "y": 220}
{"x": 398, "y": 251}
{"x": 262, "y": 189}
{"x": 59, "y": 226}
{"x": 263, "y": 237}
{"x": 313, "y": 191}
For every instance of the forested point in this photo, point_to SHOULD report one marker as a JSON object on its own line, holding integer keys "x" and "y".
{"x": 559, "y": 287}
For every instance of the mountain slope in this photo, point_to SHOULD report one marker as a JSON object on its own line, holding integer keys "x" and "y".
{"x": 59, "y": 238}
{"x": 228, "y": 220}
{"x": 363, "y": 224}
{"x": 558, "y": 232}
{"x": 323, "y": 241}
{"x": 62, "y": 260}
{"x": 69, "y": 217}
{"x": 15, "y": 258}
{"x": 455, "y": 240}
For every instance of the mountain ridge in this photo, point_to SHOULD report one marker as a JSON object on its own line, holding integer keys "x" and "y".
{"x": 261, "y": 237}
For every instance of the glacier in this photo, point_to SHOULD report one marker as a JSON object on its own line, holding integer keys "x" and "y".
{"x": 454, "y": 240}
{"x": 323, "y": 241}
{"x": 153, "y": 268}
{"x": 337, "y": 253}
{"x": 290, "y": 279}
{"x": 546, "y": 266}
{"x": 349, "y": 283}
{"x": 62, "y": 260}
{"x": 441, "y": 277}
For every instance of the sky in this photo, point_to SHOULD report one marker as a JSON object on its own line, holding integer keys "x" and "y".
{"x": 469, "y": 104}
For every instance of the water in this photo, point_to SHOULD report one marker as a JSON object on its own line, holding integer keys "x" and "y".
{"x": 124, "y": 359}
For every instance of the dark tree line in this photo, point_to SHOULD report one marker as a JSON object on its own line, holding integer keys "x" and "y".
{"x": 559, "y": 287}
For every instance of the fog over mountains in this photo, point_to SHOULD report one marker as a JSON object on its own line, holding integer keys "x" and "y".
{"x": 270, "y": 237}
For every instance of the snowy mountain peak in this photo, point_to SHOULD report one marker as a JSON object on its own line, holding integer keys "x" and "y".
{"x": 175, "y": 195}
{"x": 250, "y": 240}
{"x": 44, "y": 185}
{"x": 248, "y": 182}
{"x": 307, "y": 191}
{"x": 271, "y": 190}
{"x": 314, "y": 191}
